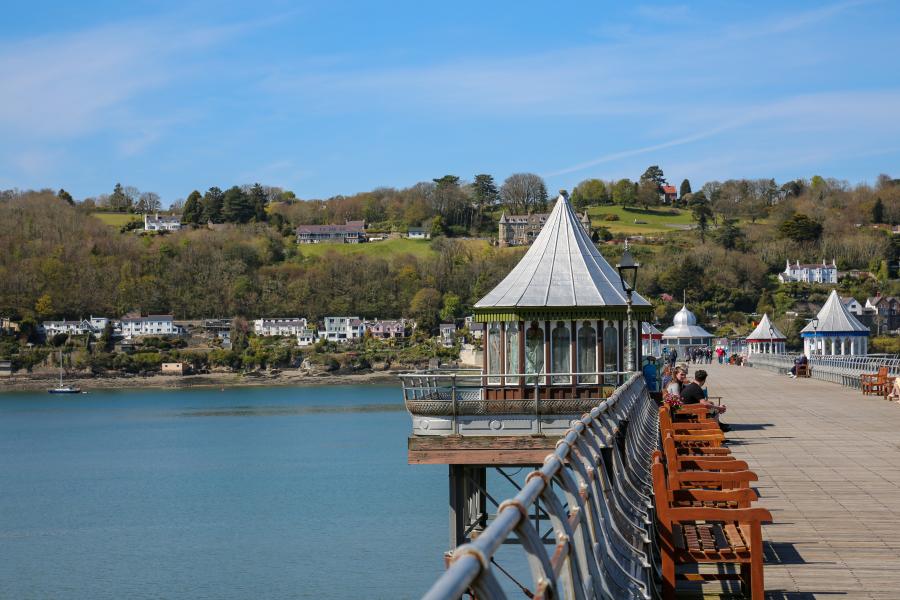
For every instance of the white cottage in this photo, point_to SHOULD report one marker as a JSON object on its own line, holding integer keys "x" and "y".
{"x": 809, "y": 273}
{"x": 765, "y": 339}
{"x": 835, "y": 331}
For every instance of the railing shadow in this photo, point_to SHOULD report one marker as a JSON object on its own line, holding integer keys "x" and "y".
{"x": 749, "y": 426}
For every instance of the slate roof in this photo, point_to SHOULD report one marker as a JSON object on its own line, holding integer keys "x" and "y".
{"x": 766, "y": 331}
{"x": 562, "y": 268}
{"x": 834, "y": 316}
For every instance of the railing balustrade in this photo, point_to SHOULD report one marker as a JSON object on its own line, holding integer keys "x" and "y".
{"x": 593, "y": 556}
{"x": 844, "y": 370}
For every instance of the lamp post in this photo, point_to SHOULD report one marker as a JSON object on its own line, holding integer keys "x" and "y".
{"x": 815, "y": 324}
{"x": 628, "y": 268}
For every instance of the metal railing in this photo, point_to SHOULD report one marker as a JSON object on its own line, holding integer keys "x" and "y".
{"x": 844, "y": 370}
{"x": 584, "y": 562}
{"x": 455, "y": 393}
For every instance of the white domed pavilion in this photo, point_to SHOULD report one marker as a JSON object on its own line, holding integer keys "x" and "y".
{"x": 835, "y": 331}
{"x": 685, "y": 332}
{"x": 765, "y": 339}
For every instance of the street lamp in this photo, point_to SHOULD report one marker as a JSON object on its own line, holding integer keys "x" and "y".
{"x": 815, "y": 324}
{"x": 628, "y": 269}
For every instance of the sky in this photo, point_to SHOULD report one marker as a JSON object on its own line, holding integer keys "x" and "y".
{"x": 337, "y": 97}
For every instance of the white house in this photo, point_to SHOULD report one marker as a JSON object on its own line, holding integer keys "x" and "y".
{"x": 52, "y": 328}
{"x": 281, "y": 326}
{"x": 342, "y": 329}
{"x": 853, "y": 306}
{"x": 448, "y": 334}
{"x": 307, "y": 336}
{"x": 473, "y": 328}
{"x": 418, "y": 233}
{"x": 135, "y": 325}
{"x": 161, "y": 223}
{"x": 809, "y": 273}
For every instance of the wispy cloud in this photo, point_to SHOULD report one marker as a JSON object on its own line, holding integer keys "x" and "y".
{"x": 62, "y": 86}
{"x": 664, "y": 13}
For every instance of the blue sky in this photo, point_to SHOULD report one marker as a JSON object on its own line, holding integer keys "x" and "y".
{"x": 336, "y": 97}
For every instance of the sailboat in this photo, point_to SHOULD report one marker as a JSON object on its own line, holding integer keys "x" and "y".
{"x": 63, "y": 389}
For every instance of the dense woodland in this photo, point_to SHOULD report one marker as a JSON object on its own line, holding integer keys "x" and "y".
{"x": 58, "y": 260}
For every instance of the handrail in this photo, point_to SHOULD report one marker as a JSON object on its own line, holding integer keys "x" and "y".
{"x": 844, "y": 370}
{"x": 470, "y": 564}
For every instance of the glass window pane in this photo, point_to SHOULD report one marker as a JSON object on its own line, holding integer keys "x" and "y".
{"x": 587, "y": 353}
{"x": 610, "y": 353}
{"x": 512, "y": 349}
{"x": 534, "y": 351}
{"x": 493, "y": 352}
{"x": 560, "y": 352}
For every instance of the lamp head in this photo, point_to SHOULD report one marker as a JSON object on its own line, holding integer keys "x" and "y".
{"x": 628, "y": 269}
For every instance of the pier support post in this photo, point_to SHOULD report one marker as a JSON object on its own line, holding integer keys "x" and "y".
{"x": 468, "y": 505}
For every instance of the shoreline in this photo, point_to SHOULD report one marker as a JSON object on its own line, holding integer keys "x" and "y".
{"x": 41, "y": 382}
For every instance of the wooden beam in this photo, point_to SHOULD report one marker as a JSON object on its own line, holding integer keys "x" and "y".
{"x": 480, "y": 450}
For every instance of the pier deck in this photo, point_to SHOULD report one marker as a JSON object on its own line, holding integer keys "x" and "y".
{"x": 828, "y": 460}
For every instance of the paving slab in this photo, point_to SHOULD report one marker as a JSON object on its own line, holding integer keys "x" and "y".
{"x": 828, "y": 459}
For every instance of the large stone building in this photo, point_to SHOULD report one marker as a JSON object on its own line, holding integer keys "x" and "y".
{"x": 809, "y": 273}
{"x": 520, "y": 230}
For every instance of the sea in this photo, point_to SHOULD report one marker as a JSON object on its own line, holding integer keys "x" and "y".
{"x": 216, "y": 493}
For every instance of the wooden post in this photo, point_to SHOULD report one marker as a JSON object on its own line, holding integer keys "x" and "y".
{"x": 547, "y": 356}
{"x": 600, "y": 360}
{"x": 522, "y": 359}
{"x": 573, "y": 358}
{"x": 484, "y": 353}
{"x": 621, "y": 357}
{"x": 502, "y": 355}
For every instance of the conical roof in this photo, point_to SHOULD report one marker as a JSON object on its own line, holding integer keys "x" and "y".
{"x": 684, "y": 325}
{"x": 562, "y": 268}
{"x": 766, "y": 331}
{"x": 834, "y": 317}
{"x": 649, "y": 329}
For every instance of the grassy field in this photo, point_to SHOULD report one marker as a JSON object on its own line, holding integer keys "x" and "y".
{"x": 116, "y": 219}
{"x": 384, "y": 249}
{"x": 655, "y": 220}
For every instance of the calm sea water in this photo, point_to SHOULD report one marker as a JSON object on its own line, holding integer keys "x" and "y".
{"x": 243, "y": 493}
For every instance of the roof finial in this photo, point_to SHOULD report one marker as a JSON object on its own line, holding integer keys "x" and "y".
{"x": 684, "y": 297}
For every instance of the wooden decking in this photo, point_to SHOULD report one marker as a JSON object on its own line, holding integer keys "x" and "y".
{"x": 828, "y": 460}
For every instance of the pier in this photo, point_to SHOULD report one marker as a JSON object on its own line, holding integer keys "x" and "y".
{"x": 828, "y": 460}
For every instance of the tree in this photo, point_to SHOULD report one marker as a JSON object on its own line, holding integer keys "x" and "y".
{"x": 878, "y": 211}
{"x": 800, "y": 228}
{"x": 193, "y": 209}
{"x": 44, "y": 306}
{"x": 729, "y": 235}
{"x": 118, "y": 201}
{"x": 701, "y": 213}
{"x": 590, "y": 192}
{"x": 648, "y": 193}
{"x": 437, "y": 226}
{"x": 484, "y": 193}
{"x": 654, "y": 174}
{"x": 524, "y": 192}
{"x": 236, "y": 206}
{"x": 132, "y": 195}
{"x": 65, "y": 197}
{"x": 424, "y": 308}
{"x": 148, "y": 203}
{"x": 623, "y": 192}
{"x": 259, "y": 199}
{"x": 212, "y": 205}
{"x": 685, "y": 189}
{"x": 452, "y": 307}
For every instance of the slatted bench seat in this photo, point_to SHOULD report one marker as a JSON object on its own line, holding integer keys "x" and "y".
{"x": 691, "y": 535}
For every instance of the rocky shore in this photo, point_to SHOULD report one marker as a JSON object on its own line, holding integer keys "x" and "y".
{"x": 39, "y": 381}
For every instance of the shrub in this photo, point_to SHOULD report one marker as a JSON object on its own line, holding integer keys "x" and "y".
{"x": 611, "y": 217}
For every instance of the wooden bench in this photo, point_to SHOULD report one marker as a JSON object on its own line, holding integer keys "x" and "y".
{"x": 804, "y": 370}
{"x": 694, "y": 535}
{"x": 875, "y": 384}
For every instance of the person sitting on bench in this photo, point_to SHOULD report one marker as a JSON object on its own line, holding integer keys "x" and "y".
{"x": 693, "y": 393}
{"x": 800, "y": 361}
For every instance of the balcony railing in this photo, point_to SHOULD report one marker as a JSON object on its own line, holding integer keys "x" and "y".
{"x": 458, "y": 394}
{"x": 844, "y": 370}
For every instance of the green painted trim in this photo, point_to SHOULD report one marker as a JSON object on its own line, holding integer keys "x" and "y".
{"x": 642, "y": 313}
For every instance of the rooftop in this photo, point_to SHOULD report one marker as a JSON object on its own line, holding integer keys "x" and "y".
{"x": 562, "y": 268}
